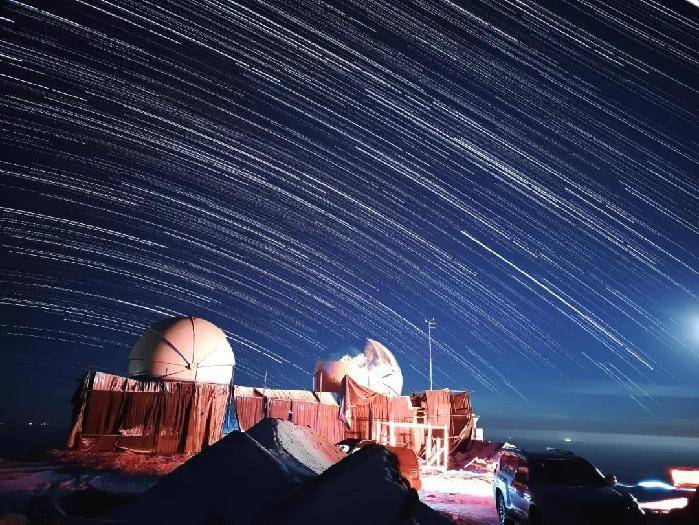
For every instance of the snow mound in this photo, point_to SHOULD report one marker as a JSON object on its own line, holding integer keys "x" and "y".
{"x": 365, "y": 487}
{"x": 465, "y": 496}
{"x": 230, "y": 482}
{"x": 301, "y": 449}
{"x": 477, "y": 456}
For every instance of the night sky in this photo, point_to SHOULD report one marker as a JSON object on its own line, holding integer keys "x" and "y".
{"x": 307, "y": 174}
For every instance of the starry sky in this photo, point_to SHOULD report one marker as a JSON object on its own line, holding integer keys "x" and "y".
{"x": 307, "y": 174}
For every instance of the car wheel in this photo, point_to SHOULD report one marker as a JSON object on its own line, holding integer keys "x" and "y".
{"x": 502, "y": 510}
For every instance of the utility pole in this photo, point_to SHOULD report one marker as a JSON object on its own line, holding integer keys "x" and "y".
{"x": 430, "y": 325}
{"x": 265, "y": 382}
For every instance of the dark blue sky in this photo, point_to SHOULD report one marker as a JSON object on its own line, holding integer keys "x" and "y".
{"x": 306, "y": 175}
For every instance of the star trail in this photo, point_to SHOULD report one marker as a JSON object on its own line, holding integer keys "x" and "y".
{"x": 308, "y": 174}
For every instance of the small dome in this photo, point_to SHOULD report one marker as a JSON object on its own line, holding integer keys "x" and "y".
{"x": 183, "y": 349}
{"x": 376, "y": 369}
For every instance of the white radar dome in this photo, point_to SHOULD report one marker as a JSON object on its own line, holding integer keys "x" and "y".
{"x": 376, "y": 369}
{"x": 183, "y": 349}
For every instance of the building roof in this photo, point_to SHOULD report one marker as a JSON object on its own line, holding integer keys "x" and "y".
{"x": 297, "y": 395}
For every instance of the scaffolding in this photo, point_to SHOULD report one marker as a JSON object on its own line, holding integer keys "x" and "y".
{"x": 436, "y": 447}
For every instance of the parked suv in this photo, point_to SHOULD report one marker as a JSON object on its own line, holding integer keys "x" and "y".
{"x": 557, "y": 487}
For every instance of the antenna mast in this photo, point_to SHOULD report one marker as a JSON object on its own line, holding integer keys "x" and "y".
{"x": 430, "y": 325}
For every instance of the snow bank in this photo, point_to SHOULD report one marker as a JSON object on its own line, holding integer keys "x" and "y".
{"x": 476, "y": 456}
{"x": 240, "y": 481}
{"x": 301, "y": 449}
{"x": 127, "y": 463}
{"x": 457, "y": 482}
{"x": 467, "y": 497}
{"x": 365, "y": 487}
{"x": 230, "y": 482}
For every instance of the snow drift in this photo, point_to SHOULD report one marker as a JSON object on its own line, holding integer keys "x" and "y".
{"x": 302, "y": 450}
{"x": 365, "y": 487}
{"x": 230, "y": 482}
{"x": 240, "y": 481}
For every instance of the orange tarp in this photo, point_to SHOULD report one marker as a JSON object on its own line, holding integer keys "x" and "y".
{"x": 329, "y": 423}
{"x": 304, "y": 413}
{"x": 461, "y": 414}
{"x": 279, "y": 408}
{"x": 400, "y": 410}
{"x": 356, "y": 407}
{"x": 250, "y": 411}
{"x": 290, "y": 405}
{"x": 150, "y": 416}
{"x": 360, "y": 407}
{"x": 113, "y": 412}
{"x": 438, "y": 407}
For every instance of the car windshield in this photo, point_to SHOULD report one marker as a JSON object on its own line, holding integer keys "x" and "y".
{"x": 567, "y": 472}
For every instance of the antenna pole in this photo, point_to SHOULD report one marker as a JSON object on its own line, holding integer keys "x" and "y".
{"x": 265, "y": 383}
{"x": 430, "y": 325}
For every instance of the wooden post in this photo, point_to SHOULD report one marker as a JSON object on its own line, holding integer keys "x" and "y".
{"x": 391, "y": 435}
{"x": 446, "y": 447}
{"x": 428, "y": 449}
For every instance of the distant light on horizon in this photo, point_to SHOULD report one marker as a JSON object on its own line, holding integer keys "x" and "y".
{"x": 654, "y": 484}
{"x": 684, "y": 476}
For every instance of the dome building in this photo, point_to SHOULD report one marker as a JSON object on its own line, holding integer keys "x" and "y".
{"x": 179, "y": 398}
{"x": 183, "y": 349}
{"x": 376, "y": 369}
{"x": 174, "y": 400}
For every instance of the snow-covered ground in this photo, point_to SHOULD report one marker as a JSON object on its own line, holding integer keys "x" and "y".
{"x": 466, "y": 496}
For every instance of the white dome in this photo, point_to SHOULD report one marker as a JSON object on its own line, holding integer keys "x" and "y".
{"x": 375, "y": 369}
{"x": 183, "y": 349}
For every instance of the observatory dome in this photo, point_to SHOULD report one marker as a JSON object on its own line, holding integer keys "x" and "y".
{"x": 183, "y": 349}
{"x": 375, "y": 369}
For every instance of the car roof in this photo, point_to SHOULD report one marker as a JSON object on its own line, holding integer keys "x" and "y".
{"x": 550, "y": 453}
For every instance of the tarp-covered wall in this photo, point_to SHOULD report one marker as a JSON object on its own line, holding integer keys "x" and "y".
{"x": 446, "y": 407}
{"x": 301, "y": 407}
{"x": 362, "y": 407}
{"x": 250, "y": 411}
{"x": 438, "y": 407}
{"x": 117, "y": 413}
{"x": 461, "y": 414}
{"x": 400, "y": 410}
{"x": 279, "y": 408}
